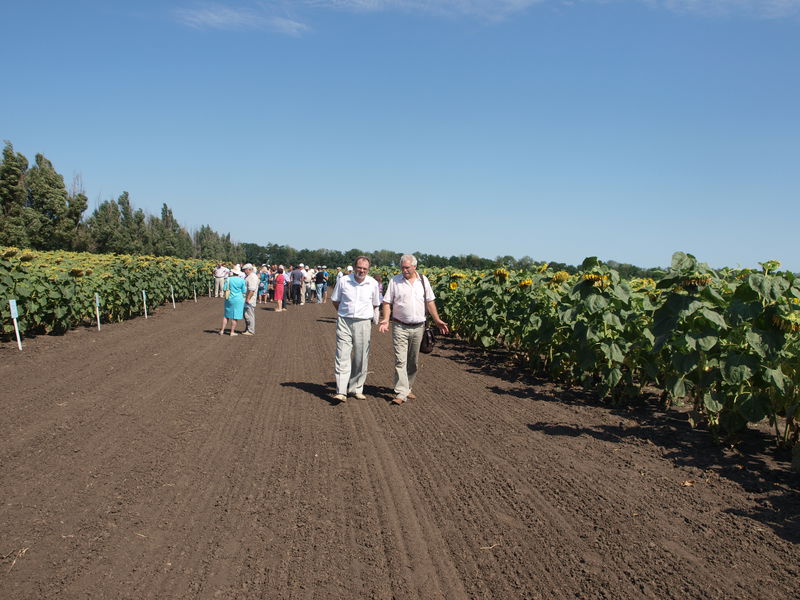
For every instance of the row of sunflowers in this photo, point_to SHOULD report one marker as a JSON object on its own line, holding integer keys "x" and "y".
{"x": 56, "y": 290}
{"x": 727, "y": 342}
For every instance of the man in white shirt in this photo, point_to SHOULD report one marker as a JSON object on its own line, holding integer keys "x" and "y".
{"x": 220, "y": 273}
{"x": 251, "y": 284}
{"x": 354, "y": 298}
{"x": 406, "y": 297}
{"x": 311, "y": 291}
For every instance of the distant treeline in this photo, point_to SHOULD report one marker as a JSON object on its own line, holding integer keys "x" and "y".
{"x": 37, "y": 211}
{"x": 286, "y": 255}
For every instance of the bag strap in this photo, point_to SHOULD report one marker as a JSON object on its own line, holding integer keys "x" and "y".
{"x": 424, "y": 295}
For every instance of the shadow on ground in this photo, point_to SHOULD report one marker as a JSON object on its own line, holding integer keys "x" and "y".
{"x": 326, "y": 391}
{"x": 753, "y": 462}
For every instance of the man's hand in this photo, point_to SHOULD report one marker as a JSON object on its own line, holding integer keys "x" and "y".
{"x": 383, "y": 326}
{"x": 443, "y": 329}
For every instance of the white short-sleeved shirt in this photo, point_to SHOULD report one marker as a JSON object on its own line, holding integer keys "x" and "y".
{"x": 407, "y": 299}
{"x": 251, "y": 282}
{"x": 356, "y": 300}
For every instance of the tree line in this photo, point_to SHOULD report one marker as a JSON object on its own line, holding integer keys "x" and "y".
{"x": 286, "y": 255}
{"x": 38, "y": 211}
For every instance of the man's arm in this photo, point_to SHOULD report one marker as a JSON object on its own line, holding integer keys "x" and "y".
{"x": 435, "y": 316}
{"x": 386, "y": 308}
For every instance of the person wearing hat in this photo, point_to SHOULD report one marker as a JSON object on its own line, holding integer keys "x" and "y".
{"x": 233, "y": 291}
{"x": 311, "y": 291}
{"x": 251, "y": 283}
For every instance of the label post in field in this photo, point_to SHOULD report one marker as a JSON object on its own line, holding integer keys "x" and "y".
{"x": 144, "y": 299}
{"x": 14, "y": 316}
{"x": 195, "y": 293}
{"x": 172, "y": 293}
{"x": 97, "y": 309}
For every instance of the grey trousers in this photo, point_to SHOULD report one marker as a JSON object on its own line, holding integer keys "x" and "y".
{"x": 352, "y": 354}
{"x": 250, "y": 317}
{"x": 405, "y": 341}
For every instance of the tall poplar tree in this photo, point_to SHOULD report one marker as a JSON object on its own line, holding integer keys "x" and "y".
{"x": 13, "y": 198}
{"x": 47, "y": 196}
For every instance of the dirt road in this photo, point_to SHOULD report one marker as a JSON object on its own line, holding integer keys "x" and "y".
{"x": 156, "y": 459}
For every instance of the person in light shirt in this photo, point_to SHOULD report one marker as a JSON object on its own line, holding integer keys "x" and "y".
{"x": 251, "y": 283}
{"x": 354, "y": 298}
{"x": 406, "y": 297}
{"x": 220, "y": 273}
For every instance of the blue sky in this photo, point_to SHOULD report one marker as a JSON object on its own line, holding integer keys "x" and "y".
{"x": 625, "y": 129}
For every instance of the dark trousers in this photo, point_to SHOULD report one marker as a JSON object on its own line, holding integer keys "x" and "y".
{"x": 296, "y": 293}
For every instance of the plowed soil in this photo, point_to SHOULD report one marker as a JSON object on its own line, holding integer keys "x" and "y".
{"x": 157, "y": 459}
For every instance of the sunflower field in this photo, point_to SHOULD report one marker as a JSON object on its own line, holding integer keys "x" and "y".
{"x": 56, "y": 290}
{"x": 727, "y": 343}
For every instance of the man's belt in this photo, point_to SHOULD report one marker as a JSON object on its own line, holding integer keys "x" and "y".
{"x": 408, "y": 324}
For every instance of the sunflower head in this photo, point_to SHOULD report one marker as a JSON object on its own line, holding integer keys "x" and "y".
{"x": 787, "y": 323}
{"x": 598, "y": 280}
{"x": 526, "y": 283}
{"x": 770, "y": 266}
{"x": 453, "y": 285}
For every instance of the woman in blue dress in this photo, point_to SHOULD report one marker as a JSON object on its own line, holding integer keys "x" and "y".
{"x": 234, "y": 303}
{"x": 263, "y": 285}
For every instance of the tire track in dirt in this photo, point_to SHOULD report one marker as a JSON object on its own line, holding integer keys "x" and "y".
{"x": 493, "y": 493}
{"x": 411, "y": 540}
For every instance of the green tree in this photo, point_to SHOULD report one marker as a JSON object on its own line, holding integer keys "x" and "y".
{"x": 13, "y": 198}
{"x": 105, "y": 228}
{"x": 72, "y": 227}
{"x": 47, "y": 197}
{"x": 133, "y": 230}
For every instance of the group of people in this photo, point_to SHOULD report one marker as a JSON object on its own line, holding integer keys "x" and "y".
{"x": 360, "y": 301}
{"x": 357, "y": 297}
{"x": 297, "y": 284}
{"x": 245, "y": 287}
